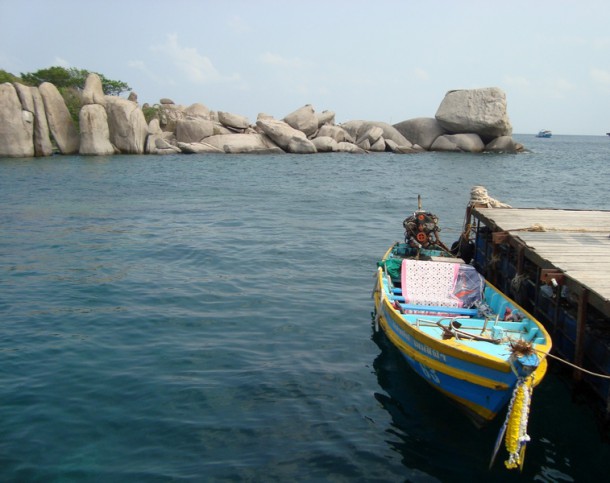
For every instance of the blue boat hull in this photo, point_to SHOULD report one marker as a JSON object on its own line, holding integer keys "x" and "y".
{"x": 451, "y": 376}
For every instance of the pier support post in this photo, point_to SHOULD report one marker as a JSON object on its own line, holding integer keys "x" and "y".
{"x": 583, "y": 300}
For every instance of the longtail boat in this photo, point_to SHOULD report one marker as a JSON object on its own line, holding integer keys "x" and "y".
{"x": 460, "y": 333}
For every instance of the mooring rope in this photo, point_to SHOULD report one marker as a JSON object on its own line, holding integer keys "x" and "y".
{"x": 591, "y": 373}
{"x": 539, "y": 227}
{"x": 517, "y": 282}
{"x": 494, "y": 260}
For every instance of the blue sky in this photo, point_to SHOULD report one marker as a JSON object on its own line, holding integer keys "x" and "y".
{"x": 377, "y": 60}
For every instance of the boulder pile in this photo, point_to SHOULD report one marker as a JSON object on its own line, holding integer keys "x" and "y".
{"x": 35, "y": 119}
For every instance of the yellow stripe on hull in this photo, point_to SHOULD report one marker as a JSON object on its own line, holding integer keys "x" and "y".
{"x": 440, "y": 366}
{"x": 484, "y": 412}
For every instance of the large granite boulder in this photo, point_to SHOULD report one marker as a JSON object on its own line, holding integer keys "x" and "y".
{"x": 336, "y": 132}
{"x": 422, "y": 131}
{"x": 365, "y": 145}
{"x": 370, "y": 135}
{"x": 154, "y": 133}
{"x": 25, "y": 97}
{"x": 170, "y": 114}
{"x": 127, "y": 125}
{"x": 163, "y": 147}
{"x": 154, "y": 127}
{"x": 301, "y": 146}
{"x": 324, "y": 144}
{"x": 198, "y": 148}
{"x": 93, "y": 92}
{"x": 16, "y": 125}
{"x": 264, "y": 115}
{"x": 504, "y": 144}
{"x": 31, "y": 101}
{"x": 395, "y": 148}
{"x": 354, "y": 128}
{"x": 358, "y": 128}
{"x": 193, "y": 130}
{"x": 94, "y": 132}
{"x": 325, "y": 117}
{"x": 304, "y": 120}
{"x": 159, "y": 141}
{"x": 480, "y": 111}
{"x": 243, "y": 143}
{"x": 379, "y": 145}
{"x": 390, "y": 132}
{"x": 286, "y": 137}
{"x": 468, "y": 142}
{"x": 345, "y": 147}
{"x": 42, "y": 140}
{"x": 197, "y": 110}
{"x": 233, "y": 121}
{"x": 58, "y": 117}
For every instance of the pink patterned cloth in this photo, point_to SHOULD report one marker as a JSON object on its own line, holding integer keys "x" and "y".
{"x": 429, "y": 283}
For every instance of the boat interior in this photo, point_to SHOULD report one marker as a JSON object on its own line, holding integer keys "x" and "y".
{"x": 485, "y": 319}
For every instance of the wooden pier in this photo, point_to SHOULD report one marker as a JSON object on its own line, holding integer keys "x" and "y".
{"x": 556, "y": 264}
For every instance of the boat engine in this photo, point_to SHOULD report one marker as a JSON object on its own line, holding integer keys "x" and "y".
{"x": 421, "y": 230}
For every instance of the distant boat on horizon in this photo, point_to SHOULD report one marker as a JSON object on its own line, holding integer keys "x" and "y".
{"x": 545, "y": 133}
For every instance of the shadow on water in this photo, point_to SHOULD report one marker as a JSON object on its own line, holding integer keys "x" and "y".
{"x": 437, "y": 442}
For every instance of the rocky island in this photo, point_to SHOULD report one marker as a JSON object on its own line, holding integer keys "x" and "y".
{"x": 35, "y": 121}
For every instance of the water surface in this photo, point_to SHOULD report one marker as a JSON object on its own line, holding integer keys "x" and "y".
{"x": 189, "y": 318}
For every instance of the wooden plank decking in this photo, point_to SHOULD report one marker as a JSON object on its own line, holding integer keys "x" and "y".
{"x": 576, "y": 242}
{"x": 572, "y": 247}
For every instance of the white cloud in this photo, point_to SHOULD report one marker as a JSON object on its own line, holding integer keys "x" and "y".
{"x": 572, "y": 41}
{"x": 421, "y": 74}
{"x": 558, "y": 88}
{"x": 275, "y": 59}
{"x": 602, "y": 43}
{"x": 549, "y": 88}
{"x": 517, "y": 81}
{"x": 238, "y": 25}
{"x": 61, "y": 62}
{"x": 600, "y": 76}
{"x": 137, "y": 64}
{"x": 196, "y": 67}
{"x": 141, "y": 66}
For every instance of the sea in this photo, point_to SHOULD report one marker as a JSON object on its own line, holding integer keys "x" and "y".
{"x": 208, "y": 318}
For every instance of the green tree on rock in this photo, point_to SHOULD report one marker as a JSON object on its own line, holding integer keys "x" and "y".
{"x": 70, "y": 83}
{"x": 72, "y": 78}
{"x": 8, "y": 77}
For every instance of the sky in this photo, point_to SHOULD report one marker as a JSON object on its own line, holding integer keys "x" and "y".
{"x": 378, "y": 60}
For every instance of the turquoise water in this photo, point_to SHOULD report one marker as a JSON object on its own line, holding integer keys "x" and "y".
{"x": 208, "y": 318}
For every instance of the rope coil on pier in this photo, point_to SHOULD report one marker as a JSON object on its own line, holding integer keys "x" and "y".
{"x": 480, "y": 196}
